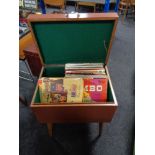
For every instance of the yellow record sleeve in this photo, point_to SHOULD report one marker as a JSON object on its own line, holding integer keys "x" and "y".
{"x": 74, "y": 88}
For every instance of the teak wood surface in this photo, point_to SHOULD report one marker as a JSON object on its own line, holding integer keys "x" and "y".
{"x": 74, "y": 112}
{"x": 33, "y": 58}
{"x": 57, "y": 3}
{"x": 23, "y": 42}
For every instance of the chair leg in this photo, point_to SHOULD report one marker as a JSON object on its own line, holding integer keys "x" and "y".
{"x": 77, "y": 7}
{"x": 100, "y": 128}
{"x": 124, "y": 16}
{"x": 94, "y": 8}
{"x": 65, "y": 5}
{"x": 50, "y": 126}
{"x": 29, "y": 70}
{"x": 23, "y": 100}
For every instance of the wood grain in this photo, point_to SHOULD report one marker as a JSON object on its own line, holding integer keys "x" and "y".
{"x": 111, "y": 40}
{"x": 49, "y": 127}
{"x": 71, "y": 114}
{"x": 72, "y": 17}
{"x": 75, "y": 112}
{"x": 23, "y": 42}
{"x": 32, "y": 56}
{"x": 57, "y": 3}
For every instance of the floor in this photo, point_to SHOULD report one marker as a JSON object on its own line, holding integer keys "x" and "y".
{"x": 82, "y": 139}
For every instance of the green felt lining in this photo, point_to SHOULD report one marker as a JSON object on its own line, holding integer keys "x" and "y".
{"x": 70, "y": 42}
{"x": 54, "y": 71}
{"x": 59, "y": 72}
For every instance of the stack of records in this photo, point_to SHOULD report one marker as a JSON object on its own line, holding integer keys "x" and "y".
{"x": 72, "y": 90}
{"x": 85, "y": 82}
{"x": 95, "y": 80}
{"x": 85, "y": 70}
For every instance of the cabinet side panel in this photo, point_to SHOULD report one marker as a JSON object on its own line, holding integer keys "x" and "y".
{"x": 74, "y": 114}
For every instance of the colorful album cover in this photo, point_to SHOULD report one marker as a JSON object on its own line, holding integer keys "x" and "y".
{"x": 59, "y": 97}
{"x": 58, "y": 94}
{"x": 95, "y": 90}
{"x": 44, "y": 90}
{"x": 57, "y": 85}
{"x": 52, "y": 90}
{"x": 74, "y": 89}
{"x": 60, "y": 90}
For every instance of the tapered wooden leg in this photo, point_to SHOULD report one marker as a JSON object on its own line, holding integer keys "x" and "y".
{"x": 100, "y": 128}
{"x": 49, "y": 126}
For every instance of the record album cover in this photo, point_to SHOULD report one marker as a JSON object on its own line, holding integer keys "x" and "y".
{"x": 74, "y": 89}
{"x": 95, "y": 90}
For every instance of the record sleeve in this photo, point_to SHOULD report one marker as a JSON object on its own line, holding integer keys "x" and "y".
{"x": 74, "y": 89}
{"x": 95, "y": 90}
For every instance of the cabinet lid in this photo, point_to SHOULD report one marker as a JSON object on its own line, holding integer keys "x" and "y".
{"x": 82, "y": 38}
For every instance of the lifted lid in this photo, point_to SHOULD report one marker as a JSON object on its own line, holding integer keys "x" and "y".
{"x": 73, "y": 38}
